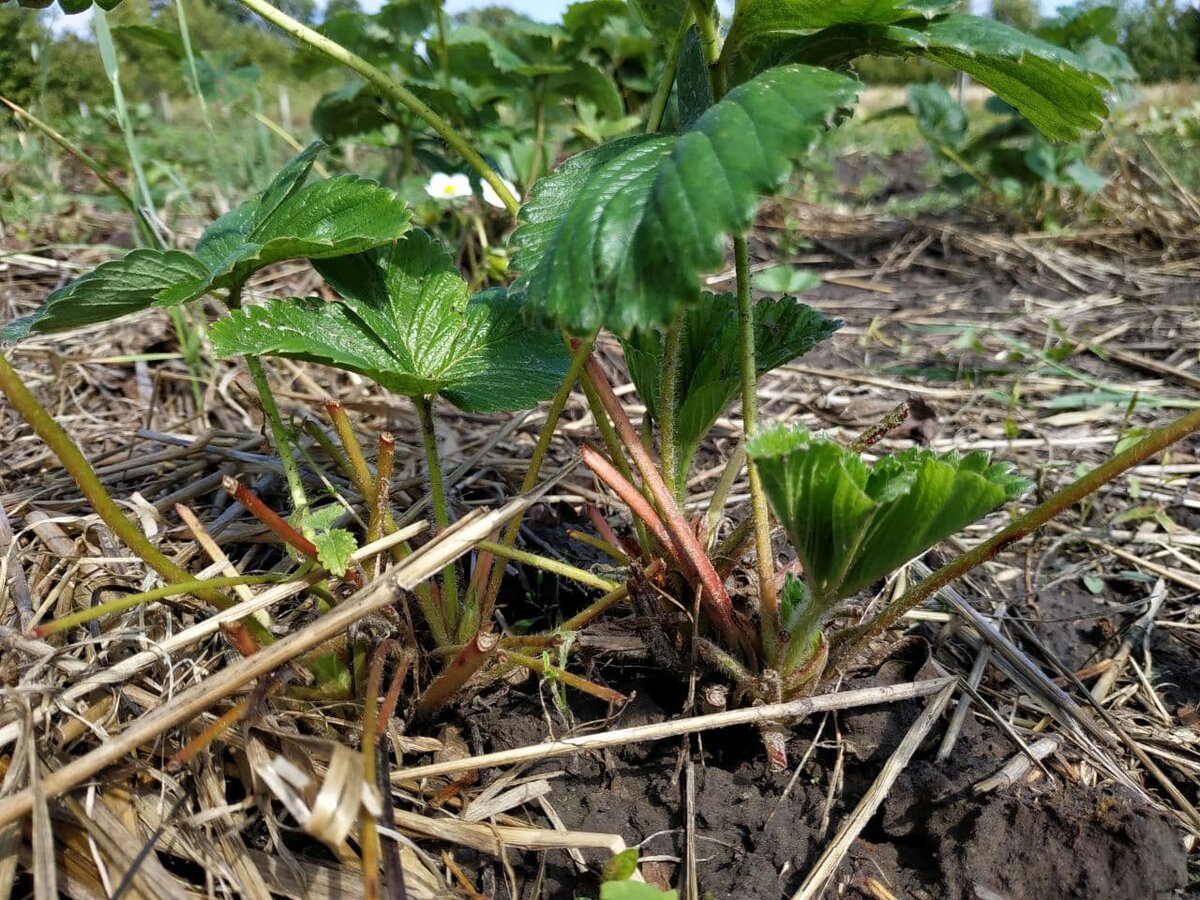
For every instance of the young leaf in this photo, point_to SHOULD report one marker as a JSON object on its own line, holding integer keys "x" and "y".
{"x": 406, "y": 321}
{"x": 111, "y": 290}
{"x": 619, "y": 235}
{"x": 334, "y": 549}
{"x": 852, "y": 524}
{"x": 785, "y": 280}
{"x": 709, "y": 374}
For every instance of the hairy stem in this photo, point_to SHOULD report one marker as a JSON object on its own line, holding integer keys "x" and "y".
{"x": 768, "y": 602}
{"x": 539, "y": 134}
{"x": 546, "y": 564}
{"x": 668, "y": 409}
{"x": 658, "y": 106}
{"x": 1155, "y": 442}
{"x": 279, "y": 435}
{"x": 390, "y": 88}
{"x": 441, "y": 509}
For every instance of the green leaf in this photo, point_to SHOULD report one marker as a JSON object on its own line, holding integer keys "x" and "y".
{"x": 852, "y": 524}
{"x": 583, "y": 79}
{"x": 155, "y": 37}
{"x": 1051, "y": 87}
{"x": 709, "y": 372}
{"x": 622, "y": 866}
{"x": 693, "y": 85}
{"x": 334, "y": 549}
{"x": 619, "y": 235}
{"x": 583, "y": 20}
{"x": 661, "y": 17}
{"x": 335, "y": 217}
{"x": 763, "y": 17}
{"x": 786, "y": 280}
{"x": 634, "y": 890}
{"x": 1055, "y": 89}
{"x": 354, "y": 109}
{"x": 111, "y": 290}
{"x": 406, "y": 321}
{"x": 939, "y": 116}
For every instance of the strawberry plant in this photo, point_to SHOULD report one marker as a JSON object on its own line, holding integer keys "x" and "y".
{"x": 616, "y": 238}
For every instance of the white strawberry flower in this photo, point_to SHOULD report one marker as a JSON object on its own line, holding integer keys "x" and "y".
{"x": 448, "y": 187}
{"x": 492, "y": 198}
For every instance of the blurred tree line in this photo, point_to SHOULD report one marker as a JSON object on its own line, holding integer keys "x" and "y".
{"x": 234, "y": 51}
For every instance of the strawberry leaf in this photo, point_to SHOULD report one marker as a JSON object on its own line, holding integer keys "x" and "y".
{"x": 619, "y": 235}
{"x": 851, "y": 523}
{"x": 406, "y": 321}
{"x": 709, "y": 373}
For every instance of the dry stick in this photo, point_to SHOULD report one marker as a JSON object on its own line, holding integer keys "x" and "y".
{"x": 368, "y": 830}
{"x": 974, "y": 678}
{"x": 16, "y": 576}
{"x": 122, "y": 671}
{"x": 1138, "y": 633}
{"x": 1155, "y": 442}
{"x": 469, "y": 660}
{"x": 73, "y": 460}
{"x": 814, "y": 882}
{"x": 1186, "y": 807}
{"x": 755, "y": 715}
{"x": 446, "y": 547}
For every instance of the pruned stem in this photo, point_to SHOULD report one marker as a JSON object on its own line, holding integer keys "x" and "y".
{"x": 570, "y": 679}
{"x": 458, "y": 671}
{"x": 1155, "y": 442}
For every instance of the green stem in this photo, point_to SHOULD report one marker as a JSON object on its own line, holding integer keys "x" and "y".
{"x": 539, "y": 133}
{"x": 193, "y": 70}
{"x": 279, "y": 435}
{"x": 441, "y": 509}
{"x": 578, "y": 358}
{"x": 1155, "y": 442}
{"x": 658, "y": 106}
{"x": 441, "y": 38}
{"x": 768, "y": 602}
{"x": 390, "y": 88}
{"x": 546, "y": 564}
{"x": 709, "y": 42}
{"x": 668, "y": 409}
{"x": 98, "y": 498}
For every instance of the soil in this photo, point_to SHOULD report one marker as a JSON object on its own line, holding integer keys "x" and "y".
{"x": 756, "y": 836}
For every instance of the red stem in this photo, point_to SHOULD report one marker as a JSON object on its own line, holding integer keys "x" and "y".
{"x": 458, "y": 671}
{"x": 683, "y": 538}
